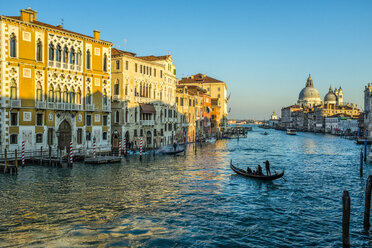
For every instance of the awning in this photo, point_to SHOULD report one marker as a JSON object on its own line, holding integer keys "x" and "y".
{"x": 147, "y": 108}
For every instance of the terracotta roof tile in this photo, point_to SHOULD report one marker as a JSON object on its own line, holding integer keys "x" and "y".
{"x": 199, "y": 78}
{"x": 115, "y": 51}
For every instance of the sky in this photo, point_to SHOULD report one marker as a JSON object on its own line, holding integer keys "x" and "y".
{"x": 264, "y": 49}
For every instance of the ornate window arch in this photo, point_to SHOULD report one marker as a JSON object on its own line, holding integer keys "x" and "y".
{"x": 39, "y": 50}
{"x": 39, "y": 92}
{"x": 51, "y": 51}
{"x": 65, "y": 95}
{"x": 72, "y": 95}
{"x": 58, "y": 97}
{"x": 78, "y": 57}
{"x": 65, "y": 54}
{"x": 13, "y": 46}
{"x": 72, "y": 56}
{"x": 58, "y": 53}
{"x": 51, "y": 93}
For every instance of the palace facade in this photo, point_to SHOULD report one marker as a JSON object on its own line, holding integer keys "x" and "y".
{"x": 55, "y": 85}
{"x": 143, "y": 102}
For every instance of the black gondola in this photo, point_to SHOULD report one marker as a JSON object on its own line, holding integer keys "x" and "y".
{"x": 258, "y": 177}
{"x": 172, "y": 152}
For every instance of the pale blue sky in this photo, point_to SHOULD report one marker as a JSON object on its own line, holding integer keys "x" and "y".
{"x": 264, "y": 50}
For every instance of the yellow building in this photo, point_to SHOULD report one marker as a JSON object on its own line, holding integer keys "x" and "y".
{"x": 55, "y": 85}
{"x": 217, "y": 90}
{"x": 189, "y": 101}
{"x": 143, "y": 102}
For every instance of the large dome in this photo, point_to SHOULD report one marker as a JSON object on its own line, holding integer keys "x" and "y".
{"x": 330, "y": 97}
{"x": 309, "y": 96}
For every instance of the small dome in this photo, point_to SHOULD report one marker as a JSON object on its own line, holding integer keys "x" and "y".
{"x": 330, "y": 97}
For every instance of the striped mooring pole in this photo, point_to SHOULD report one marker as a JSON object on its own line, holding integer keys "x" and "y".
{"x": 94, "y": 149}
{"x": 71, "y": 153}
{"x": 119, "y": 153}
{"x": 141, "y": 149}
{"x": 125, "y": 147}
{"x": 23, "y": 153}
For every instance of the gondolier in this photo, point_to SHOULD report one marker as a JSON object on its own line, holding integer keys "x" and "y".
{"x": 267, "y": 167}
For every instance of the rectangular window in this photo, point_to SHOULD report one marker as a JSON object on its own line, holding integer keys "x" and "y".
{"x": 13, "y": 119}
{"x": 189, "y": 102}
{"x": 154, "y": 132}
{"x": 88, "y": 136}
{"x": 39, "y": 119}
{"x": 161, "y": 132}
{"x": 135, "y": 133}
{"x": 104, "y": 135}
{"x": 50, "y": 136}
{"x": 126, "y": 65}
{"x": 13, "y": 139}
{"x": 219, "y": 89}
{"x": 161, "y": 73}
{"x": 170, "y": 127}
{"x": 89, "y": 120}
{"x": 181, "y": 101}
{"x": 177, "y": 100}
{"x": 140, "y": 68}
{"x": 39, "y": 138}
{"x": 165, "y": 127}
{"x": 79, "y": 136}
{"x": 141, "y": 132}
{"x": 117, "y": 64}
{"x": 154, "y": 72}
{"x": 150, "y": 71}
{"x": 135, "y": 67}
{"x": 104, "y": 120}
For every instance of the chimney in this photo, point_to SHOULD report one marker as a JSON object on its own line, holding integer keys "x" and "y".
{"x": 97, "y": 34}
{"x": 28, "y": 15}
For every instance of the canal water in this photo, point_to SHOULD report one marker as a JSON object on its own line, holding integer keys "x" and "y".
{"x": 192, "y": 201}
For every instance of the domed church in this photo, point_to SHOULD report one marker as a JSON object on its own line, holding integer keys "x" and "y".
{"x": 309, "y": 96}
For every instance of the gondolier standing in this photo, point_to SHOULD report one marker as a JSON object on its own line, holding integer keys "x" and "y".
{"x": 267, "y": 166}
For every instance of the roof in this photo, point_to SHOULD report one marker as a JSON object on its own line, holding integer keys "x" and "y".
{"x": 154, "y": 58}
{"x": 60, "y": 28}
{"x": 115, "y": 51}
{"x": 199, "y": 78}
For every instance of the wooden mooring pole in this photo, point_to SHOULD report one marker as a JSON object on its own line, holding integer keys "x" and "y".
{"x": 16, "y": 158}
{"x": 6, "y": 161}
{"x": 50, "y": 155}
{"x": 367, "y": 205}
{"x": 345, "y": 219}
{"x": 361, "y": 163}
{"x": 41, "y": 155}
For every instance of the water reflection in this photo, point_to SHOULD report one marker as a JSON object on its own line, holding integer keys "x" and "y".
{"x": 191, "y": 201}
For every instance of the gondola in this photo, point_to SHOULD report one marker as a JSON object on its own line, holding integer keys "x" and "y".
{"x": 172, "y": 152}
{"x": 258, "y": 177}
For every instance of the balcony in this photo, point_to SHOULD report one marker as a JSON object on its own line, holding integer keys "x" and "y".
{"x": 89, "y": 107}
{"x": 147, "y": 122}
{"x": 106, "y": 108}
{"x": 140, "y": 99}
{"x": 67, "y": 106}
{"x": 51, "y": 63}
{"x": 51, "y": 105}
{"x": 40, "y": 105}
{"x": 116, "y": 98}
{"x": 60, "y": 106}
{"x": 58, "y": 64}
{"x": 78, "y": 67}
{"x": 65, "y": 66}
{"x": 72, "y": 67}
{"x": 15, "y": 103}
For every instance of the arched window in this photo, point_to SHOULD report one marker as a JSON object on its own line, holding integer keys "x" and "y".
{"x": 117, "y": 116}
{"x": 88, "y": 59}
{"x": 105, "y": 62}
{"x": 72, "y": 95}
{"x": 104, "y": 97}
{"x": 65, "y": 95}
{"x": 72, "y": 56}
{"x": 13, "y": 90}
{"x": 39, "y": 92}
{"x": 89, "y": 96}
{"x": 78, "y": 96}
{"x": 39, "y": 51}
{"x": 58, "y": 94}
{"x": 116, "y": 88}
{"x": 51, "y": 51}
{"x": 51, "y": 94}
{"x": 65, "y": 54}
{"x": 78, "y": 57}
{"x": 58, "y": 53}
{"x": 13, "y": 45}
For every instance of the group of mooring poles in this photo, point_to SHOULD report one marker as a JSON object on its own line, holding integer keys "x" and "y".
{"x": 346, "y": 212}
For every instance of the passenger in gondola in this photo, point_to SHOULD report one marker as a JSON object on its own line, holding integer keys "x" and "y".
{"x": 267, "y": 167}
{"x": 174, "y": 146}
{"x": 259, "y": 170}
{"x": 249, "y": 171}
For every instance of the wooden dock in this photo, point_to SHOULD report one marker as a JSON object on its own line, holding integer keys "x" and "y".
{"x": 102, "y": 160}
{"x": 8, "y": 168}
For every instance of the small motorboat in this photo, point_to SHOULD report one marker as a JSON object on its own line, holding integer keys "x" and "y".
{"x": 265, "y": 133}
{"x": 291, "y": 131}
{"x": 258, "y": 177}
